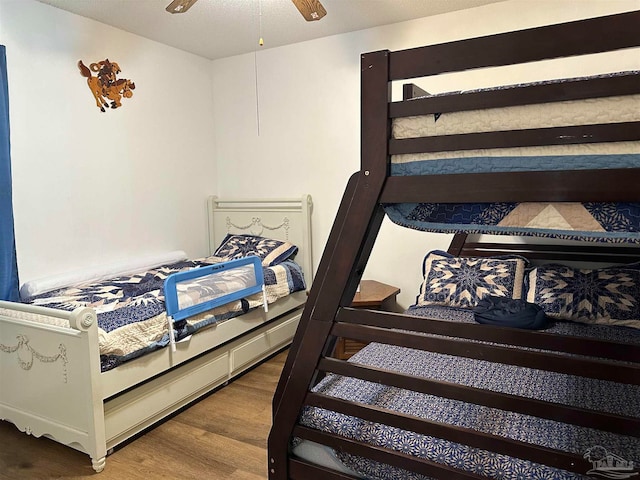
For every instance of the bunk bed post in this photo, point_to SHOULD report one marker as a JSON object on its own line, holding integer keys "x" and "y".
{"x": 345, "y": 256}
{"x": 457, "y": 244}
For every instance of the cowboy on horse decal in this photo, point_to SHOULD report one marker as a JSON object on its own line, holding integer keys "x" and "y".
{"x": 105, "y": 85}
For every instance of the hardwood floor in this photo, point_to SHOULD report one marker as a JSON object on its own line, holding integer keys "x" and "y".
{"x": 223, "y": 436}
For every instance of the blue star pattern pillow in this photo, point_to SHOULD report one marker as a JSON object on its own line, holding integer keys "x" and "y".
{"x": 462, "y": 282}
{"x": 607, "y": 296}
{"x": 272, "y": 252}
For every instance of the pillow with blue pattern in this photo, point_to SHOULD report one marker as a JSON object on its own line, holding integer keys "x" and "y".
{"x": 272, "y": 252}
{"x": 463, "y": 281}
{"x": 609, "y": 296}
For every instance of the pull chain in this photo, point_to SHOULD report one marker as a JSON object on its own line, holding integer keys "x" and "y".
{"x": 255, "y": 65}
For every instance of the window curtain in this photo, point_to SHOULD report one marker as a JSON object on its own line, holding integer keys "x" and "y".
{"x": 8, "y": 262}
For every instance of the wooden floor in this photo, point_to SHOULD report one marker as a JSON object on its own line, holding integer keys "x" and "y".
{"x": 224, "y": 436}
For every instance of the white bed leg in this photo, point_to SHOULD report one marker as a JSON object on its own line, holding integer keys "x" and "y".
{"x": 98, "y": 464}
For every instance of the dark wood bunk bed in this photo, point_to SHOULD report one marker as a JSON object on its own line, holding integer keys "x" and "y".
{"x": 327, "y": 315}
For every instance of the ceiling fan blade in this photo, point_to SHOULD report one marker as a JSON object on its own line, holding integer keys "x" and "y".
{"x": 180, "y": 6}
{"x": 311, "y": 10}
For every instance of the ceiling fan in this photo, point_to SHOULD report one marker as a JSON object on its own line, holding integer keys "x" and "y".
{"x": 311, "y": 10}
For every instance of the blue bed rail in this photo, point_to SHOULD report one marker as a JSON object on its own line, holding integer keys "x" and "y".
{"x": 172, "y": 297}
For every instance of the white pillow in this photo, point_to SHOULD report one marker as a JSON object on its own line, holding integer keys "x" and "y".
{"x": 98, "y": 273}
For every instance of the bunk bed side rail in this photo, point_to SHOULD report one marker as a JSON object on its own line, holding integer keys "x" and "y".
{"x": 529, "y": 45}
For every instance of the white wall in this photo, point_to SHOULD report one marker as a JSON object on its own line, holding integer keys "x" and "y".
{"x": 92, "y": 187}
{"x": 309, "y": 118}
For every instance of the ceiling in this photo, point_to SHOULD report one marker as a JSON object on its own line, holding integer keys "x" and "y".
{"x": 222, "y": 28}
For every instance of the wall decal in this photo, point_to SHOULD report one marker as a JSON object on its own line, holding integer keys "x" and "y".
{"x": 105, "y": 86}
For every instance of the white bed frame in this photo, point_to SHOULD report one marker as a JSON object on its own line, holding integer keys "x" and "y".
{"x": 51, "y": 384}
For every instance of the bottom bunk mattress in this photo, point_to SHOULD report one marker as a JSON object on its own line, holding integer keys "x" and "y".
{"x": 131, "y": 309}
{"x": 607, "y": 396}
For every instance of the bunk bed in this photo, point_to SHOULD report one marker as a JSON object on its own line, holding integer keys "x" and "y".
{"x": 407, "y": 421}
{"x": 56, "y": 382}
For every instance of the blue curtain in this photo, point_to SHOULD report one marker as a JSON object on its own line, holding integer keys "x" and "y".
{"x": 8, "y": 263}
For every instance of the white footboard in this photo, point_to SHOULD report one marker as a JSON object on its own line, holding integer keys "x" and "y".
{"x": 50, "y": 376}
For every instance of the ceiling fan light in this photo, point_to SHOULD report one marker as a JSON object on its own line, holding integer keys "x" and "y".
{"x": 180, "y": 6}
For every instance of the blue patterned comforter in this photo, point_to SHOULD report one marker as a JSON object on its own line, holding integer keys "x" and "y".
{"x": 610, "y": 222}
{"x": 131, "y": 310}
{"x": 548, "y": 386}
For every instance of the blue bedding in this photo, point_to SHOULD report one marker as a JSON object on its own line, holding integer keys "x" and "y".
{"x": 611, "y": 222}
{"x": 615, "y": 222}
{"x": 548, "y": 386}
{"x": 131, "y": 309}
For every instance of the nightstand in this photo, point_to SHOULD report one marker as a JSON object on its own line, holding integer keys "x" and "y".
{"x": 374, "y": 296}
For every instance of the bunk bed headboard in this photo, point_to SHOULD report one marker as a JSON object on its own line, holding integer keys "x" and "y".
{"x": 285, "y": 219}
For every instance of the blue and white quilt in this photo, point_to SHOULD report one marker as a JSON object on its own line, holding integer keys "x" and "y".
{"x": 131, "y": 309}
{"x": 587, "y": 393}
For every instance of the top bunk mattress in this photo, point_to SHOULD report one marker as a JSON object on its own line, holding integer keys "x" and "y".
{"x": 597, "y": 221}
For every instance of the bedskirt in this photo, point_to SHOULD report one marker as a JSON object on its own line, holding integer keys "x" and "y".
{"x": 570, "y": 390}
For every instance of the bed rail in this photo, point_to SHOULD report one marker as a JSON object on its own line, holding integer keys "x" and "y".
{"x": 203, "y": 280}
{"x": 79, "y": 319}
{"x": 178, "y": 309}
{"x": 530, "y": 45}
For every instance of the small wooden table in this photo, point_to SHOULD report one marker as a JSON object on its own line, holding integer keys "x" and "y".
{"x": 373, "y": 295}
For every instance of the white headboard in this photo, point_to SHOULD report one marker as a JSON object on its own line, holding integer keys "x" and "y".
{"x": 279, "y": 218}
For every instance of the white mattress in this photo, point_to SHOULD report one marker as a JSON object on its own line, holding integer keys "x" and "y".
{"x": 570, "y": 113}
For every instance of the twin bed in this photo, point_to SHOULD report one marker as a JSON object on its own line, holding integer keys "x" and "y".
{"x": 437, "y": 393}
{"x": 75, "y": 367}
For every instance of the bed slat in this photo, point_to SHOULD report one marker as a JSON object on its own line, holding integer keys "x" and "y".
{"x": 552, "y": 411}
